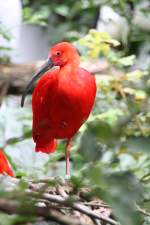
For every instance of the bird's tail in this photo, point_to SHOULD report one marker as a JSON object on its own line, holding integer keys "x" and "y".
{"x": 49, "y": 147}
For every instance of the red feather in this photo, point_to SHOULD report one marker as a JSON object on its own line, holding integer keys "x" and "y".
{"x": 4, "y": 166}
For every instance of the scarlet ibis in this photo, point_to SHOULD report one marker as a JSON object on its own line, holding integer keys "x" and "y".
{"x": 4, "y": 166}
{"x": 62, "y": 99}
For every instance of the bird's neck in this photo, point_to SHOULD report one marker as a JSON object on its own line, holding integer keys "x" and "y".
{"x": 70, "y": 68}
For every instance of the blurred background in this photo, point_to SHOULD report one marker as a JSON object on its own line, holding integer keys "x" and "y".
{"x": 113, "y": 39}
{"x": 29, "y": 28}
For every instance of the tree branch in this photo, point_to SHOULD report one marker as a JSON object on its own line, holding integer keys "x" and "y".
{"x": 79, "y": 207}
{"x": 12, "y": 207}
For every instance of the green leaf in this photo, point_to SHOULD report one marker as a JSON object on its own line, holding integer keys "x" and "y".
{"x": 62, "y": 10}
{"x": 126, "y": 61}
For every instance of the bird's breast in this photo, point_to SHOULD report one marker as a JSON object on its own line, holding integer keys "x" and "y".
{"x": 72, "y": 104}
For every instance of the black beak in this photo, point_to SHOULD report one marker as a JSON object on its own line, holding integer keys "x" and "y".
{"x": 49, "y": 64}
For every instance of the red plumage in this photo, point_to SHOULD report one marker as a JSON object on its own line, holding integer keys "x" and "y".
{"x": 61, "y": 104}
{"x": 62, "y": 99}
{"x": 4, "y": 166}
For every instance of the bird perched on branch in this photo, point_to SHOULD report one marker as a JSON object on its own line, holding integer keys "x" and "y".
{"x": 4, "y": 166}
{"x": 62, "y": 99}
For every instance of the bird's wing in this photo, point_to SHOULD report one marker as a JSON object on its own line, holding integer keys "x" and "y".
{"x": 41, "y": 99}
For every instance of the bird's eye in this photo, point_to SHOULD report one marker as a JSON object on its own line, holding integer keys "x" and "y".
{"x": 58, "y": 53}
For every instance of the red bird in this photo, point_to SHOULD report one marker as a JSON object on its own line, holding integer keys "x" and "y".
{"x": 62, "y": 99}
{"x": 4, "y": 166}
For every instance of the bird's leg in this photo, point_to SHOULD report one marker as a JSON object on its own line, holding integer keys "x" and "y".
{"x": 68, "y": 146}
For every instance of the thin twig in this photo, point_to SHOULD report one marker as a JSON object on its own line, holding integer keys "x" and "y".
{"x": 145, "y": 177}
{"x": 96, "y": 204}
{"x": 143, "y": 211}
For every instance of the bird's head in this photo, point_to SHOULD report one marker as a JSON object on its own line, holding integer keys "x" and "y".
{"x": 63, "y": 53}
{"x": 59, "y": 55}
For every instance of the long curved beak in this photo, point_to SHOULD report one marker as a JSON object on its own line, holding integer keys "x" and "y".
{"x": 48, "y": 65}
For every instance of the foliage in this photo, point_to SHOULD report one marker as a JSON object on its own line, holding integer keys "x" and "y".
{"x": 62, "y": 15}
{"x": 115, "y": 141}
{"x": 127, "y": 9}
{"x": 67, "y": 17}
{"x": 6, "y": 35}
{"x": 110, "y": 154}
{"x": 97, "y": 43}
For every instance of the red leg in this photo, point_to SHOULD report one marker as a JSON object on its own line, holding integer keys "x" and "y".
{"x": 68, "y": 146}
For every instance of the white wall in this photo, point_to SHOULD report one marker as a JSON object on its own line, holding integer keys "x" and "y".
{"x": 29, "y": 42}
